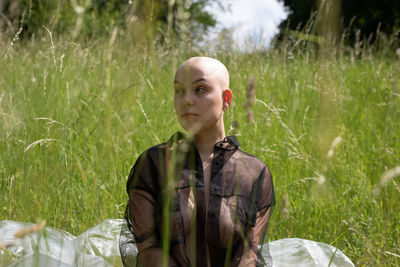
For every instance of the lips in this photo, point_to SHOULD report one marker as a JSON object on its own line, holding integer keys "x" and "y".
{"x": 189, "y": 115}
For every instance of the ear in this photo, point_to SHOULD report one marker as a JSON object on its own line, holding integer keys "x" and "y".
{"x": 227, "y": 99}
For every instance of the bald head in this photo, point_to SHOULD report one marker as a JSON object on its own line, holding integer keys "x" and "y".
{"x": 202, "y": 96}
{"x": 210, "y": 68}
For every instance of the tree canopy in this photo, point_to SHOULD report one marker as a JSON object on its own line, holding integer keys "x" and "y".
{"x": 94, "y": 17}
{"x": 365, "y": 16}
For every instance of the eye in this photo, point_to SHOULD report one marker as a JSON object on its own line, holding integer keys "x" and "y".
{"x": 178, "y": 91}
{"x": 200, "y": 89}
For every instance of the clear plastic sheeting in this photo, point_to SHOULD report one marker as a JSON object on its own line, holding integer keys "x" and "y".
{"x": 302, "y": 252}
{"x": 52, "y": 247}
{"x": 99, "y": 247}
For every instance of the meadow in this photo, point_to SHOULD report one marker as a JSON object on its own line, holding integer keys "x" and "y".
{"x": 75, "y": 116}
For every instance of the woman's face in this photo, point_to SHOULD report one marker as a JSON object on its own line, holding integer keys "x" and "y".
{"x": 198, "y": 98}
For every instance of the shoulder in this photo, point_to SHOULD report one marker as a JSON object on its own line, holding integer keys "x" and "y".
{"x": 153, "y": 151}
{"x": 145, "y": 172}
{"x": 251, "y": 158}
{"x": 250, "y": 163}
{"x": 149, "y": 155}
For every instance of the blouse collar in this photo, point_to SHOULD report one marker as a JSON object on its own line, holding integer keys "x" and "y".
{"x": 228, "y": 143}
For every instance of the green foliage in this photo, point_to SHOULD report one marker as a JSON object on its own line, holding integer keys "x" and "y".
{"x": 184, "y": 19}
{"x": 55, "y": 15}
{"x": 360, "y": 19}
{"x": 88, "y": 19}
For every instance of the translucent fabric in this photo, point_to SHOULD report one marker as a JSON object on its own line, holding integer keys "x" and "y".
{"x": 172, "y": 209}
{"x": 99, "y": 247}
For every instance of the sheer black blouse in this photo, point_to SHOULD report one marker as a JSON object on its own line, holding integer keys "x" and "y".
{"x": 166, "y": 210}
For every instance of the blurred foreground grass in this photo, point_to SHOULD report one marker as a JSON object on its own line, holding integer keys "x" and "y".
{"x": 74, "y": 118}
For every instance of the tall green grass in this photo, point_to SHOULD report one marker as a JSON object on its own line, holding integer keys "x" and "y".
{"x": 74, "y": 117}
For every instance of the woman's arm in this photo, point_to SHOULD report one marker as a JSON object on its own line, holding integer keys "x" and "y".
{"x": 254, "y": 237}
{"x": 141, "y": 206}
{"x": 142, "y": 191}
{"x": 256, "y": 233}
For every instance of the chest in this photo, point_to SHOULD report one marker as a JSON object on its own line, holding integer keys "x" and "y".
{"x": 215, "y": 202}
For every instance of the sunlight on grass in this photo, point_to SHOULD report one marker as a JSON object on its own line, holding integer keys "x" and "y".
{"x": 75, "y": 116}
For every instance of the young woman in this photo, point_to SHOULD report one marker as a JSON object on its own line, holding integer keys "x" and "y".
{"x": 198, "y": 200}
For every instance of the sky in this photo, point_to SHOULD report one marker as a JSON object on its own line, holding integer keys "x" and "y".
{"x": 254, "y": 19}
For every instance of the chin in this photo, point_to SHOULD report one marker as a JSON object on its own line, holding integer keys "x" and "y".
{"x": 192, "y": 128}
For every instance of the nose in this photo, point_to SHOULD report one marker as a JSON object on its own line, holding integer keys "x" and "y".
{"x": 187, "y": 99}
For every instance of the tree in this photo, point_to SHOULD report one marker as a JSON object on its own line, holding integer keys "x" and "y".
{"x": 94, "y": 17}
{"x": 365, "y": 16}
{"x": 176, "y": 17}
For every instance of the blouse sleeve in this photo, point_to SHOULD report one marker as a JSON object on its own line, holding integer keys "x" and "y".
{"x": 142, "y": 190}
{"x": 256, "y": 233}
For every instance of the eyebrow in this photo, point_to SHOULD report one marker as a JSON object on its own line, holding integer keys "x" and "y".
{"x": 196, "y": 81}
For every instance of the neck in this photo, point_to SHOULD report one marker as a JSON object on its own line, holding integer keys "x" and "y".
{"x": 206, "y": 141}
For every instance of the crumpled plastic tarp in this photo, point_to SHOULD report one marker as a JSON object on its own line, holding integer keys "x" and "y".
{"x": 99, "y": 247}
